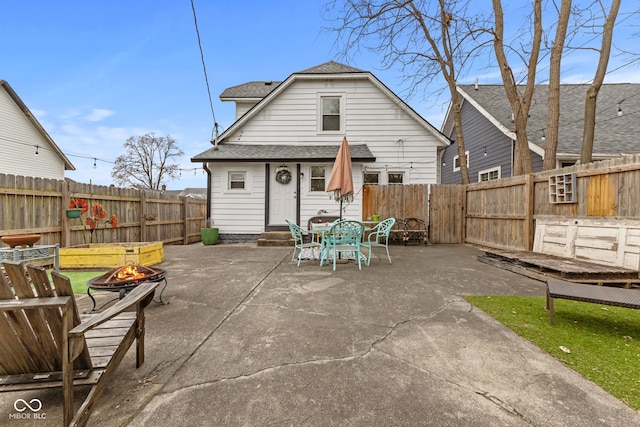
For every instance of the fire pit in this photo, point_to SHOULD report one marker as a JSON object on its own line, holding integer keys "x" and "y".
{"x": 124, "y": 279}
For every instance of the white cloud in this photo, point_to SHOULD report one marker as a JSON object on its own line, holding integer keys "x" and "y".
{"x": 98, "y": 114}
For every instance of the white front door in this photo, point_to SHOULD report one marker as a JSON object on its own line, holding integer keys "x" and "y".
{"x": 282, "y": 194}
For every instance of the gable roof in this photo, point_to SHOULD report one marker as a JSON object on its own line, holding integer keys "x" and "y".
{"x": 37, "y": 126}
{"x": 614, "y": 135}
{"x": 337, "y": 71}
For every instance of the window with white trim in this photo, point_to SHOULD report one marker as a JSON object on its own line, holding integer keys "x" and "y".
{"x": 371, "y": 177}
{"x": 395, "y": 177}
{"x": 237, "y": 180}
{"x": 330, "y": 113}
{"x": 318, "y": 176}
{"x": 456, "y": 161}
{"x": 489, "y": 174}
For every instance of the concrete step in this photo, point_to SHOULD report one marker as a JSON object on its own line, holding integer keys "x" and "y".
{"x": 276, "y": 238}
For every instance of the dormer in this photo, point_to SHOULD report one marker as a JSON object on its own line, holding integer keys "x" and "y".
{"x": 247, "y": 95}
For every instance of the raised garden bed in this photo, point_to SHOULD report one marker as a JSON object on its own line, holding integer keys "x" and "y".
{"x": 111, "y": 255}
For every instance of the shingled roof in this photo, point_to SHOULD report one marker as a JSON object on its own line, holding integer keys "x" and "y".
{"x": 282, "y": 153}
{"x": 251, "y": 90}
{"x": 331, "y": 67}
{"x": 614, "y": 134}
{"x": 259, "y": 89}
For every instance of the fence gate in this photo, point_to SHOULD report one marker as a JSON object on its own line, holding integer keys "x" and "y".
{"x": 447, "y": 207}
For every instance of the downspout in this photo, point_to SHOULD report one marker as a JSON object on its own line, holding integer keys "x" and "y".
{"x": 208, "y": 171}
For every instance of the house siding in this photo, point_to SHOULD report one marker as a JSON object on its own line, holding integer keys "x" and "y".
{"x": 480, "y": 135}
{"x": 371, "y": 119}
{"x": 18, "y": 140}
{"x": 290, "y": 116}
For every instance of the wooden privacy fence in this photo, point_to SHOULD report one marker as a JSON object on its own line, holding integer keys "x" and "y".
{"x": 501, "y": 214}
{"x": 397, "y": 201}
{"x": 35, "y": 205}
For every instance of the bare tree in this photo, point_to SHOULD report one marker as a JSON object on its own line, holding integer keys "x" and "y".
{"x": 553, "y": 97}
{"x": 592, "y": 93}
{"x": 520, "y": 103}
{"x": 427, "y": 39}
{"x": 146, "y": 163}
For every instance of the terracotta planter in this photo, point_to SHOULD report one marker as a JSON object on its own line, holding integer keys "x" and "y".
{"x": 23, "y": 240}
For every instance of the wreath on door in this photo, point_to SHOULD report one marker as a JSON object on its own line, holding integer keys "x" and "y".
{"x": 283, "y": 176}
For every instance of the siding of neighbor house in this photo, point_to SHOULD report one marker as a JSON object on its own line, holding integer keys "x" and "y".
{"x": 292, "y": 118}
{"x": 18, "y": 141}
{"x": 481, "y": 134}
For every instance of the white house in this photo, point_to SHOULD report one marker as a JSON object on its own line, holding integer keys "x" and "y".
{"x": 274, "y": 162}
{"x": 27, "y": 149}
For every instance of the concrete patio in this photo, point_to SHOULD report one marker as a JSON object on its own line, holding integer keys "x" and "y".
{"x": 248, "y": 339}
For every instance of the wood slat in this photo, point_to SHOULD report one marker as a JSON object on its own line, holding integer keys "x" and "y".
{"x": 26, "y": 337}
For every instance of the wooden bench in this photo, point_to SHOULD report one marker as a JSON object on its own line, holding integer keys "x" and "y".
{"x": 629, "y": 298}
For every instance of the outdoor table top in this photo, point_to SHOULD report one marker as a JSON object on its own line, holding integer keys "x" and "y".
{"x": 593, "y": 293}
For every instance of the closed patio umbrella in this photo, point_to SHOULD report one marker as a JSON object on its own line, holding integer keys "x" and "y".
{"x": 341, "y": 179}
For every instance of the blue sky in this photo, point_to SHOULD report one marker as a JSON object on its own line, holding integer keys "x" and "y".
{"x": 97, "y": 72}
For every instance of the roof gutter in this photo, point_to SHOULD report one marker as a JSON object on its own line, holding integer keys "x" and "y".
{"x": 208, "y": 171}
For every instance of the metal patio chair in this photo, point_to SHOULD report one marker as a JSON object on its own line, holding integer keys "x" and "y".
{"x": 379, "y": 238}
{"x": 344, "y": 237}
{"x": 298, "y": 234}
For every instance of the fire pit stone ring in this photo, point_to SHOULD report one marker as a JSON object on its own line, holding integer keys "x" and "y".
{"x": 124, "y": 279}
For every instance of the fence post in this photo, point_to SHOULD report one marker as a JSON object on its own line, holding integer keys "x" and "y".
{"x": 143, "y": 219}
{"x": 185, "y": 223}
{"x": 65, "y": 234}
{"x": 529, "y": 226}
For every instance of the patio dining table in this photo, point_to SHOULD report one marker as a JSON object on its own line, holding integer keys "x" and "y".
{"x": 320, "y": 233}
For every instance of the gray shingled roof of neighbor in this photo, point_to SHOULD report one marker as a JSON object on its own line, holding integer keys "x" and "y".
{"x": 281, "y": 153}
{"x": 614, "y": 134}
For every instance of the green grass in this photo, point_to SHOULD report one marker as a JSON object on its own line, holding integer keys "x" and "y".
{"x": 604, "y": 341}
{"x": 79, "y": 279}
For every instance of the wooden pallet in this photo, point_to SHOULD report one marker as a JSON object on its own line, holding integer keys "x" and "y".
{"x": 542, "y": 267}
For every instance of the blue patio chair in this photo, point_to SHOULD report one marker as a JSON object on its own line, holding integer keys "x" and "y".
{"x": 344, "y": 236}
{"x": 379, "y": 238}
{"x": 298, "y": 234}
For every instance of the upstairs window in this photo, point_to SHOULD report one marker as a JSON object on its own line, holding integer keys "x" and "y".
{"x": 330, "y": 113}
{"x": 318, "y": 178}
{"x": 456, "y": 161}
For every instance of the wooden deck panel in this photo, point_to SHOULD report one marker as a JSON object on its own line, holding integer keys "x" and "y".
{"x": 542, "y": 266}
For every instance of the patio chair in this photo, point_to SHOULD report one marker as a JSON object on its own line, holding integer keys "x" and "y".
{"x": 298, "y": 234}
{"x": 415, "y": 229}
{"x": 45, "y": 343}
{"x": 344, "y": 237}
{"x": 379, "y": 238}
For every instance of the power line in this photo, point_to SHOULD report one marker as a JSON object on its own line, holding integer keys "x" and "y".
{"x": 214, "y": 132}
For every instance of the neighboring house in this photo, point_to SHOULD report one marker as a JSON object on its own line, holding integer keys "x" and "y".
{"x": 27, "y": 149}
{"x": 274, "y": 162}
{"x": 195, "y": 193}
{"x": 489, "y": 132}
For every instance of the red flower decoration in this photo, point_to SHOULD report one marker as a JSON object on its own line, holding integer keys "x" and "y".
{"x": 98, "y": 212}
{"x": 79, "y": 203}
{"x": 113, "y": 221}
{"x": 91, "y": 222}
